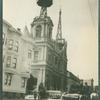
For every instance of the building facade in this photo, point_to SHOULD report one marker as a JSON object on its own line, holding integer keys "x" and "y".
{"x": 34, "y": 55}
{"x": 50, "y": 58}
{"x": 89, "y": 83}
{"x": 17, "y": 59}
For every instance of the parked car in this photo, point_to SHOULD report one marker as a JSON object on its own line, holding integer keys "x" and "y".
{"x": 94, "y": 96}
{"x": 30, "y": 97}
{"x": 70, "y": 96}
{"x": 54, "y": 95}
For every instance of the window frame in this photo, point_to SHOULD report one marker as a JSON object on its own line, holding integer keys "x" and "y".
{"x": 8, "y": 61}
{"x": 16, "y": 45}
{"x": 8, "y": 79}
{"x": 38, "y": 31}
{"x": 23, "y": 82}
{"x": 36, "y": 57}
{"x": 10, "y": 44}
{"x": 3, "y": 38}
{"x": 29, "y": 53}
{"x": 14, "y": 62}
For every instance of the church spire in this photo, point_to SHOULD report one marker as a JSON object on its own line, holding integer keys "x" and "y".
{"x": 59, "y": 29}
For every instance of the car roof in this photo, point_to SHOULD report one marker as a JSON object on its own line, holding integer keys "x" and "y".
{"x": 54, "y": 91}
{"x": 71, "y": 95}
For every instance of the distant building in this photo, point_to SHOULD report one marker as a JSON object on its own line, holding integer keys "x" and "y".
{"x": 72, "y": 81}
{"x": 90, "y": 83}
{"x": 96, "y": 88}
{"x": 17, "y": 59}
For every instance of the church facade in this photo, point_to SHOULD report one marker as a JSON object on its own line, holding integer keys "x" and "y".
{"x": 50, "y": 58}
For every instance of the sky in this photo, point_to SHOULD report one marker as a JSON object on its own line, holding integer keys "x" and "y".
{"x": 79, "y": 28}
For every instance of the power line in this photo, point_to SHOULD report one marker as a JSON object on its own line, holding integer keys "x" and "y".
{"x": 91, "y": 14}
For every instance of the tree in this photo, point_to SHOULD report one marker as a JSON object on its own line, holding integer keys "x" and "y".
{"x": 31, "y": 83}
{"x": 42, "y": 91}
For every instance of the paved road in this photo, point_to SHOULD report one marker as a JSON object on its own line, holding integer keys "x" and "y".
{"x": 13, "y": 99}
{"x": 18, "y": 99}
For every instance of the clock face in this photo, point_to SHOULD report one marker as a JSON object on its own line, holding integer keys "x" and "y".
{"x": 38, "y": 31}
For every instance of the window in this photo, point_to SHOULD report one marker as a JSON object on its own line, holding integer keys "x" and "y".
{"x": 3, "y": 40}
{"x": 23, "y": 82}
{"x": 29, "y": 53}
{"x": 59, "y": 64}
{"x": 14, "y": 62}
{"x": 10, "y": 44}
{"x": 36, "y": 53}
{"x": 8, "y": 61}
{"x": 13, "y": 45}
{"x": 8, "y": 78}
{"x": 38, "y": 31}
{"x": 56, "y": 60}
{"x": 16, "y": 46}
{"x": 50, "y": 32}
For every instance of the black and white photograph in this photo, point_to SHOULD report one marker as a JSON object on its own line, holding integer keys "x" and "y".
{"x": 50, "y": 50}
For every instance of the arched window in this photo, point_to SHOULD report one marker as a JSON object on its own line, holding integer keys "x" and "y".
{"x": 38, "y": 31}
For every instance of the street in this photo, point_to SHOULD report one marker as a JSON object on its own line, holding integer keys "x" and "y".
{"x": 13, "y": 99}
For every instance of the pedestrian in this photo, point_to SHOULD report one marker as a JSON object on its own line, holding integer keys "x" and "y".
{"x": 86, "y": 91}
{"x": 35, "y": 95}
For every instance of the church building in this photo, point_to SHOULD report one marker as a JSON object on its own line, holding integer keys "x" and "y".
{"x": 50, "y": 59}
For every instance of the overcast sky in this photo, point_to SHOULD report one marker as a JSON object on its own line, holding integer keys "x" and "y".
{"x": 79, "y": 27}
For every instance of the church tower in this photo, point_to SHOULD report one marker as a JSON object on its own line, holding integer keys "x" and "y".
{"x": 49, "y": 61}
{"x": 41, "y": 31}
{"x": 41, "y": 27}
{"x": 61, "y": 43}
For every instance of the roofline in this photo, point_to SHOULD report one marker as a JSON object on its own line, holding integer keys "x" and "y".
{"x": 6, "y": 22}
{"x": 15, "y": 30}
{"x": 73, "y": 75}
{"x": 11, "y": 27}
